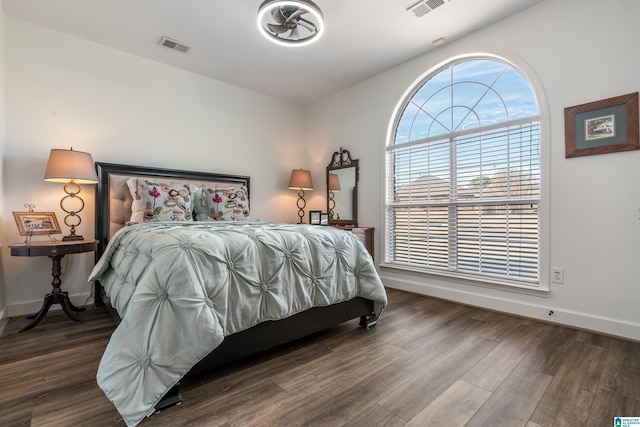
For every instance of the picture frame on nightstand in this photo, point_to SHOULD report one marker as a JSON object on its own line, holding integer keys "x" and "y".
{"x": 314, "y": 217}
{"x": 324, "y": 218}
{"x": 36, "y": 223}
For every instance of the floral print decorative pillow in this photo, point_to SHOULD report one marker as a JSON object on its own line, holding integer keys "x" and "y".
{"x": 222, "y": 204}
{"x": 160, "y": 202}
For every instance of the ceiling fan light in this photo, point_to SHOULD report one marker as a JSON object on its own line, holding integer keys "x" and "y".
{"x": 296, "y": 29}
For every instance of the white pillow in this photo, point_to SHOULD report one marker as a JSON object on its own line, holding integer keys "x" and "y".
{"x": 159, "y": 201}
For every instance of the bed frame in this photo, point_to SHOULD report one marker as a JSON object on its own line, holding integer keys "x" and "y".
{"x": 112, "y": 202}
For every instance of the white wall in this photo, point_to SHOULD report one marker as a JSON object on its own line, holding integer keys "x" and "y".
{"x": 3, "y": 139}
{"x": 578, "y": 51}
{"x": 63, "y": 91}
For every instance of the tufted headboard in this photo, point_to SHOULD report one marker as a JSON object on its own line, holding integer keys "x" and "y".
{"x": 113, "y": 198}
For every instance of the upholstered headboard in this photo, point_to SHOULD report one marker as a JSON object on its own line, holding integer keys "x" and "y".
{"x": 114, "y": 199}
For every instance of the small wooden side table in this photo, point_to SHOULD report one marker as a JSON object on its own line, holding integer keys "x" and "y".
{"x": 56, "y": 251}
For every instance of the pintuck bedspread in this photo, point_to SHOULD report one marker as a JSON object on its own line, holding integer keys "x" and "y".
{"x": 180, "y": 288}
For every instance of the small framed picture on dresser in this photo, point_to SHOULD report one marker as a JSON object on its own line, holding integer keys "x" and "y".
{"x": 324, "y": 219}
{"x": 30, "y": 223}
{"x": 314, "y": 217}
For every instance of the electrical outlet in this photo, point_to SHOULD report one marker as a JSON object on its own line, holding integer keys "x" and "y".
{"x": 557, "y": 275}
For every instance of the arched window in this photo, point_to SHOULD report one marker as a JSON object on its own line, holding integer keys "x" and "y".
{"x": 463, "y": 175}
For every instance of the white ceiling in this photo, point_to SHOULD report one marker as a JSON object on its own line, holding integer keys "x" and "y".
{"x": 362, "y": 37}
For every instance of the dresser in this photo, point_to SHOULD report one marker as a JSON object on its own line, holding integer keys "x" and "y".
{"x": 365, "y": 235}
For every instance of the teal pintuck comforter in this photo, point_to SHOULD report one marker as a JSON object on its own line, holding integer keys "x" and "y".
{"x": 180, "y": 288}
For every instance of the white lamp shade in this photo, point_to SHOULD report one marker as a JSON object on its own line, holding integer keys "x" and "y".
{"x": 300, "y": 180}
{"x": 67, "y": 165}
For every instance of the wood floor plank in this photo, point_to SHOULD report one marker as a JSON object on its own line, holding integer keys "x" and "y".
{"x": 548, "y": 355}
{"x": 298, "y": 406}
{"x": 621, "y": 375}
{"x": 514, "y": 401}
{"x": 376, "y": 416}
{"x": 573, "y": 387}
{"x": 421, "y": 390}
{"x": 352, "y": 401}
{"x": 496, "y": 366}
{"x": 607, "y": 405}
{"x": 564, "y": 402}
{"x": 454, "y": 407}
{"x": 74, "y": 408}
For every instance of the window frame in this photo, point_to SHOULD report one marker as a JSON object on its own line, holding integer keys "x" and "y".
{"x": 532, "y": 287}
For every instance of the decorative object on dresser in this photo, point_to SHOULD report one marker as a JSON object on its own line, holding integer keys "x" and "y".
{"x": 72, "y": 168}
{"x": 314, "y": 217}
{"x": 342, "y": 191}
{"x": 300, "y": 180}
{"x": 205, "y": 278}
{"x": 55, "y": 251}
{"x": 36, "y": 223}
{"x": 324, "y": 218}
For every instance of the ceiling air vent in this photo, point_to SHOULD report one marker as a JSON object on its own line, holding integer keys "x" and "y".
{"x": 423, "y": 7}
{"x": 174, "y": 44}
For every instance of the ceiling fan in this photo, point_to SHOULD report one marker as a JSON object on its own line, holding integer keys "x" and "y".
{"x": 291, "y": 23}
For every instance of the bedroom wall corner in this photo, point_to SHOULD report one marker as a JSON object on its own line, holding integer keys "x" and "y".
{"x": 3, "y": 143}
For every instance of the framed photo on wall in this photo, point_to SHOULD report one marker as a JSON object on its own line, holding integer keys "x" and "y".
{"x": 605, "y": 126}
{"x": 314, "y": 217}
{"x": 34, "y": 223}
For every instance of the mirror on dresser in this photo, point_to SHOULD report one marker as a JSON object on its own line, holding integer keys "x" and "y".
{"x": 342, "y": 190}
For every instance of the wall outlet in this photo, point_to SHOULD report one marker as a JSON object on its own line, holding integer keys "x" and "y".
{"x": 557, "y": 275}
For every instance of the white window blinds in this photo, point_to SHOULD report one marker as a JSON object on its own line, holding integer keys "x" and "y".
{"x": 465, "y": 201}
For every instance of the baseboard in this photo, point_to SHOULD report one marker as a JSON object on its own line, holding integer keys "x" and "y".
{"x": 33, "y": 306}
{"x": 543, "y": 312}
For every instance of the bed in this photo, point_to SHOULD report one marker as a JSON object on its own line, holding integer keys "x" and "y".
{"x": 198, "y": 284}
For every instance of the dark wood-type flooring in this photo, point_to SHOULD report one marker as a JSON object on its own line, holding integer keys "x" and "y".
{"x": 428, "y": 362}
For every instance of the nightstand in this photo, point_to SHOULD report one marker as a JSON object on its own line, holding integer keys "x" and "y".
{"x": 56, "y": 251}
{"x": 365, "y": 234}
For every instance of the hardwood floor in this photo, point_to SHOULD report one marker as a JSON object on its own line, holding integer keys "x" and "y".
{"x": 428, "y": 362}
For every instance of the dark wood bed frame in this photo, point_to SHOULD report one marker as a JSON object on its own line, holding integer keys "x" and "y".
{"x": 259, "y": 338}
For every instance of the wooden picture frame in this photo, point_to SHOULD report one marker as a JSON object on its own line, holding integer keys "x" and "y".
{"x": 36, "y": 223}
{"x": 600, "y": 127}
{"x": 314, "y": 217}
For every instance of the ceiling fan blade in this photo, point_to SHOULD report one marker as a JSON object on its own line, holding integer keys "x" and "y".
{"x": 296, "y": 14}
{"x": 278, "y": 16}
{"x": 278, "y": 29}
{"x": 294, "y": 34}
{"x": 308, "y": 25}
{"x": 288, "y": 10}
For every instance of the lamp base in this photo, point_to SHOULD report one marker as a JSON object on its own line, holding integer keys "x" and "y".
{"x": 301, "y": 203}
{"x": 72, "y": 237}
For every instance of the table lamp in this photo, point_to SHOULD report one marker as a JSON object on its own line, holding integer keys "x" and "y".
{"x": 72, "y": 168}
{"x": 300, "y": 180}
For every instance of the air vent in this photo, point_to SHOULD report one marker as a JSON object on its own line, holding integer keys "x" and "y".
{"x": 423, "y": 7}
{"x": 174, "y": 44}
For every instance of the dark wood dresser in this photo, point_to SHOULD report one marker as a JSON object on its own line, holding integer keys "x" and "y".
{"x": 365, "y": 234}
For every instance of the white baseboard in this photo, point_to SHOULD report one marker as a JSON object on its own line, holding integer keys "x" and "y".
{"x": 608, "y": 326}
{"x": 30, "y": 307}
